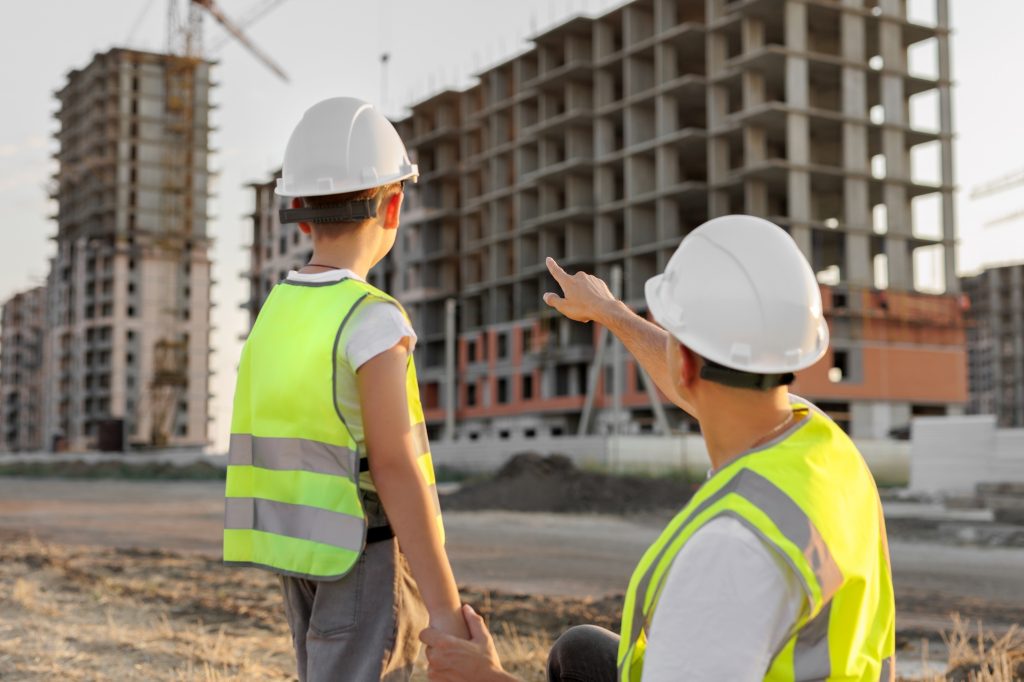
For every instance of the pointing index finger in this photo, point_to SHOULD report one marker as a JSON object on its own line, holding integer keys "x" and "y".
{"x": 556, "y": 270}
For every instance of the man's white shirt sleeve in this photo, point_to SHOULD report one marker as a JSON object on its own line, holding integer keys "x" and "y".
{"x": 376, "y": 327}
{"x": 728, "y": 605}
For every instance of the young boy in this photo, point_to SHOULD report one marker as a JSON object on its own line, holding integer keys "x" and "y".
{"x": 330, "y": 482}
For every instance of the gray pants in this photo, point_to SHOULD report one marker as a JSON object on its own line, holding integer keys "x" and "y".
{"x": 585, "y": 653}
{"x": 362, "y": 628}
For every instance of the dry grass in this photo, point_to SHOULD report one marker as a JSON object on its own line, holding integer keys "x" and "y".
{"x": 82, "y": 614}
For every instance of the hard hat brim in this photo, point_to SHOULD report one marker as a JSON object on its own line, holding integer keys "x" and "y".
{"x": 283, "y": 189}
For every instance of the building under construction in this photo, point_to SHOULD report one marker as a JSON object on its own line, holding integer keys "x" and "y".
{"x": 129, "y": 288}
{"x": 996, "y": 343}
{"x": 22, "y": 375}
{"x": 611, "y": 138}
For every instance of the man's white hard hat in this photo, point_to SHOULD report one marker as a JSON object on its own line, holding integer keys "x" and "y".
{"x": 343, "y": 145}
{"x": 739, "y": 292}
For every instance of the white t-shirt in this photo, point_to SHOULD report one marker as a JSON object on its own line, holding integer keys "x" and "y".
{"x": 373, "y": 328}
{"x": 729, "y": 604}
{"x": 733, "y": 602}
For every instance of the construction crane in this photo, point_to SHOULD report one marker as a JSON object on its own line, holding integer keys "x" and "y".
{"x": 185, "y": 35}
{"x": 998, "y": 186}
{"x": 177, "y": 233}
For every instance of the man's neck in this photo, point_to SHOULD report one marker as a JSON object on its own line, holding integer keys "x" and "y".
{"x": 734, "y": 421}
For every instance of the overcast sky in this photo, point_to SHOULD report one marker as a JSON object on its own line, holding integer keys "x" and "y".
{"x": 331, "y": 47}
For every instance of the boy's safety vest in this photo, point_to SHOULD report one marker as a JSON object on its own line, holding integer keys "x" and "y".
{"x": 813, "y": 501}
{"x": 292, "y": 492}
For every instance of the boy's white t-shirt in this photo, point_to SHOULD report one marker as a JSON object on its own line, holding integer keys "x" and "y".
{"x": 373, "y": 328}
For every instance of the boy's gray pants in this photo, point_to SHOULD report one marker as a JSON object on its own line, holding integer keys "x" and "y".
{"x": 362, "y": 628}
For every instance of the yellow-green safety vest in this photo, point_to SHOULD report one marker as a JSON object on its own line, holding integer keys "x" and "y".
{"x": 292, "y": 492}
{"x": 811, "y": 498}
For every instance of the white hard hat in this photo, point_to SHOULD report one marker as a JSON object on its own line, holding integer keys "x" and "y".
{"x": 739, "y": 292}
{"x": 343, "y": 145}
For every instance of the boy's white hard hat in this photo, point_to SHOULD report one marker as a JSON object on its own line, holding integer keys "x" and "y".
{"x": 341, "y": 145}
{"x": 739, "y": 292}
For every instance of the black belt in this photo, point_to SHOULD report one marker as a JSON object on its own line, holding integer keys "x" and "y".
{"x": 379, "y": 534}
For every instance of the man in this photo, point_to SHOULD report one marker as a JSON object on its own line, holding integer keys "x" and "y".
{"x": 778, "y": 568}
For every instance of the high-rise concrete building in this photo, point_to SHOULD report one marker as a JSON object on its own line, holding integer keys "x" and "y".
{"x": 995, "y": 343}
{"x": 129, "y": 288}
{"x": 21, "y": 371}
{"x": 611, "y": 138}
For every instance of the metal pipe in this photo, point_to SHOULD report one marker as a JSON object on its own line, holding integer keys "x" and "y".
{"x": 449, "y": 369}
{"x": 616, "y": 359}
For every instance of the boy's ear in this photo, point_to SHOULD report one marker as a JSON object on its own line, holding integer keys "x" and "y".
{"x": 304, "y": 227}
{"x": 392, "y": 210}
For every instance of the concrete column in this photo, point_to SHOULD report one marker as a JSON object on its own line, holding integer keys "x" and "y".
{"x": 755, "y": 198}
{"x": 901, "y": 271}
{"x": 857, "y": 264}
{"x": 753, "y": 89}
{"x": 717, "y": 109}
{"x": 946, "y": 144}
{"x": 752, "y": 30}
{"x": 798, "y": 126}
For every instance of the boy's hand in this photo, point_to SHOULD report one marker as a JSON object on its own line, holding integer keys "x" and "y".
{"x": 458, "y": 660}
{"x": 584, "y": 297}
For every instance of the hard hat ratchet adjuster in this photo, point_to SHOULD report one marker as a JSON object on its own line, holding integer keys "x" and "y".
{"x": 350, "y": 212}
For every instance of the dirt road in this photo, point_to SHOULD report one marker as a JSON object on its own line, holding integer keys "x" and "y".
{"x": 550, "y": 554}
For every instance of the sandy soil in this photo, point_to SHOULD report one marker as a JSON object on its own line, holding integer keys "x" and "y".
{"x": 122, "y": 581}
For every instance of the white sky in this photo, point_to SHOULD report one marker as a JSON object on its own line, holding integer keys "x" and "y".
{"x": 331, "y": 48}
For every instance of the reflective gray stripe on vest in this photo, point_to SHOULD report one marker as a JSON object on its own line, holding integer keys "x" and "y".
{"x": 810, "y": 653}
{"x": 888, "y": 673}
{"x": 294, "y": 521}
{"x": 791, "y": 521}
{"x": 289, "y": 454}
{"x": 796, "y": 526}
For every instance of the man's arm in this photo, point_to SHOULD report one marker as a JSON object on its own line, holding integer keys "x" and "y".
{"x": 586, "y": 298}
{"x": 396, "y": 474}
{"x": 456, "y": 660}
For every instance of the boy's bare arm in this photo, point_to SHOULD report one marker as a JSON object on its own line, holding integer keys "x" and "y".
{"x": 402, "y": 489}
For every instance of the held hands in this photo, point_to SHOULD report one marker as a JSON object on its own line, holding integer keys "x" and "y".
{"x": 450, "y": 622}
{"x": 457, "y": 660}
{"x": 584, "y": 297}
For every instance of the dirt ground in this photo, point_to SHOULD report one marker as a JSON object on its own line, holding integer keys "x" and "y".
{"x": 121, "y": 580}
{"x": 93, "y": 613}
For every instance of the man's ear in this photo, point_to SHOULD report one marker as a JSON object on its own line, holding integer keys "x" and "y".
{"x": 304, "y": 227}
{"x": 392, "y": 210}
{"x": 689, "y": 367}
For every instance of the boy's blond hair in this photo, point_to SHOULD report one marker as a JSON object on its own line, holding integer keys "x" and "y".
{"x": 336, "y": 229}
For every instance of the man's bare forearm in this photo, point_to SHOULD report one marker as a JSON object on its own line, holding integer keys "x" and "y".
{"x": 646, "y": 342}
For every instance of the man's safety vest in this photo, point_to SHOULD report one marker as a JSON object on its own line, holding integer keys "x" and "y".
{"x": 293, "y": 503}
{"x": 813, "y": 501}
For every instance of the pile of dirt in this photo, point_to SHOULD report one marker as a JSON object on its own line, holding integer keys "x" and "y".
{"x": 531, "y": 482}
{"x": 196, "y": 471}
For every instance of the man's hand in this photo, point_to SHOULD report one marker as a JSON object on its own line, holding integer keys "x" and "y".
{"x": 456, "y": 660}
{"x": 584, "y": 297}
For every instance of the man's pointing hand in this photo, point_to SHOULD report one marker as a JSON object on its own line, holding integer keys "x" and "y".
{"x": 584, "y": 297}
